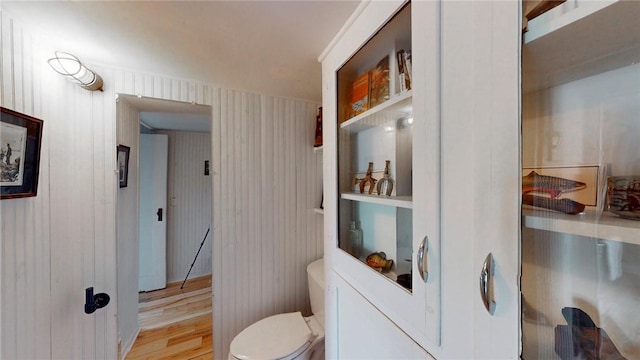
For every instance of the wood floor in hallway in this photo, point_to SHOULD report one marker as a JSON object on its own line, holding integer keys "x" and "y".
{"x": 175, "y": 323}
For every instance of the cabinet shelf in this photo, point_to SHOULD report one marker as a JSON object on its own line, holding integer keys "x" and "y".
{"x": 399, "y": 105}
{"x": 566, "y": 44}
{"x": 391, "y": 275}
{"x": 317, "y": 149}
{"x": 319, "y": 211}
{"x": 395, "y": 201}
{"x": 607, "y": 226}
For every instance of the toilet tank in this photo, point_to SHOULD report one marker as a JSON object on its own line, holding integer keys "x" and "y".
{"x": 315, "y": 275}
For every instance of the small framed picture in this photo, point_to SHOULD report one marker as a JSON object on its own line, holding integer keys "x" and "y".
{"x": 20, "y": 142}
{"x": 123, "y": 164}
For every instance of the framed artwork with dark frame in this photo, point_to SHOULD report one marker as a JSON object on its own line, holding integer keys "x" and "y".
{"x": 20, "y": 142}
{"x": 123, "y": 164}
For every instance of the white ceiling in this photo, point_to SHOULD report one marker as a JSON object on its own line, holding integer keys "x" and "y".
{"x": 262, "y": 46}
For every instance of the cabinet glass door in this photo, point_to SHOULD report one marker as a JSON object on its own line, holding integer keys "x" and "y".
{"x": 375, "y": 118}
{"x": 380, "y": 248}
{"x": 580, "y": 239}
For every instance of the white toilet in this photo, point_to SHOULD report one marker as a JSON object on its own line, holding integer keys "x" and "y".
{"x": 287, "y": 336}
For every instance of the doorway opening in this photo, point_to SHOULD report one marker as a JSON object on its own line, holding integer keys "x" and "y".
{"x": 163, "y": 215}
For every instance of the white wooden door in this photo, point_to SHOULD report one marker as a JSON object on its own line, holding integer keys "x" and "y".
{"x": 154, "y": 150}
{"x": 480, "y": 178}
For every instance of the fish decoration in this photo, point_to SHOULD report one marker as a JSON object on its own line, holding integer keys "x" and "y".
{"x": 554, "y": 187}
{"x": 379, "y": 262}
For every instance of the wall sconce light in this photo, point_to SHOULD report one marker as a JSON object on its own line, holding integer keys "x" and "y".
{"x": 69, "y": 65}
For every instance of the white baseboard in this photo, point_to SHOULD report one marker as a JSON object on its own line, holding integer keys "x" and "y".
{"x": 129, "y": 344}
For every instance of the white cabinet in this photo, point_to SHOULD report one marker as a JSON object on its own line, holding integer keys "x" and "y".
{"x": 490, "y": 102}
{"x": 397, "y": 122}
{"x": 365, "y": 333}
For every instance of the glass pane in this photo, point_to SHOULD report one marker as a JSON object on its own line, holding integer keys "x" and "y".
{"x": 375, "y": 152}
{"x": 580, "y": 237}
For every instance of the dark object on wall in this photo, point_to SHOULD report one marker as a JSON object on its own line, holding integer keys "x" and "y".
{"x": 318, "y": 138}
{"x": 582, "y": 339}
{"x": 123, "y": 165}
{"x": 20, "y": 142}
{"x": 206, "y": 167}
{"x": 94, "y": 302}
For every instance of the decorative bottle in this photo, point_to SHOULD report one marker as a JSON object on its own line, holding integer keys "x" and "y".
{"x": 385, "y": 185}
{"x": 355, "y": 240}
{"x": 318, "y": 138}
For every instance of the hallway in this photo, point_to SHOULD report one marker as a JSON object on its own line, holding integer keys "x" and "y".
{"x": 175, "y": 323}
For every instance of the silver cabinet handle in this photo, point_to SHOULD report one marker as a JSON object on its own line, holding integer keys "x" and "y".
{"x": 422, "y": 259}
{"x": 486, "y": 288}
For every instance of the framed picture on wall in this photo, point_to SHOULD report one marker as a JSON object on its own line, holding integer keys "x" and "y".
{"x": 20, "y": 142}
{"x": 123, "y": 164}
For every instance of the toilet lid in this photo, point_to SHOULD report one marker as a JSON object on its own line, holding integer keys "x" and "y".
{"x": 275, "y": 337}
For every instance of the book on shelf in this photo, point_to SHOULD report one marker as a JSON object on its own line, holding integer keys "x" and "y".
{"x": 403, "y": 58}
{"x": 379, "y": 82}
{"x": 359, "y": 98}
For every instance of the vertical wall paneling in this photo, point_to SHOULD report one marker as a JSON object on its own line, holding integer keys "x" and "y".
{"x": 51, "y": 242}
{"x": 189, "y": 205}
{"x": 216, "y": 230}
{"x": 266, "y": 183}
{"x": 55, "y": 245}
{"x": 24, "y": 269}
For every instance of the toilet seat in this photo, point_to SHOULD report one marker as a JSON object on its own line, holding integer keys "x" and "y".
{"x": 282, "y": 336}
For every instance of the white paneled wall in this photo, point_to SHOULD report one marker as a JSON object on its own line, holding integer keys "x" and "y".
{"x": 266, "y": 182}
{"x": 62, "y": 241}
{"x": 127, "y": 244}
{"x": 189, "y": 205}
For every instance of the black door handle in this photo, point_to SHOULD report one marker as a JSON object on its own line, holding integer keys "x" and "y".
{"x": 159, "y": 213}
{"x": 94, "y": 301}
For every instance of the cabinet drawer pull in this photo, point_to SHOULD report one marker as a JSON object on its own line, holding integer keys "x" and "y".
{"x": 423, "y": 259}
{"x": 486, "y": 284}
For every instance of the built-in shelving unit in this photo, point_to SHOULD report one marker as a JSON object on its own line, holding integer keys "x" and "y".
{"x": 591, "y": 223}
{"x": 397, "y": 107}
{"x": 602, "y": 35}
{"x": 380, "y": 134}
{"x": 395, "y": 201}
{"x": 580, "y": 106}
